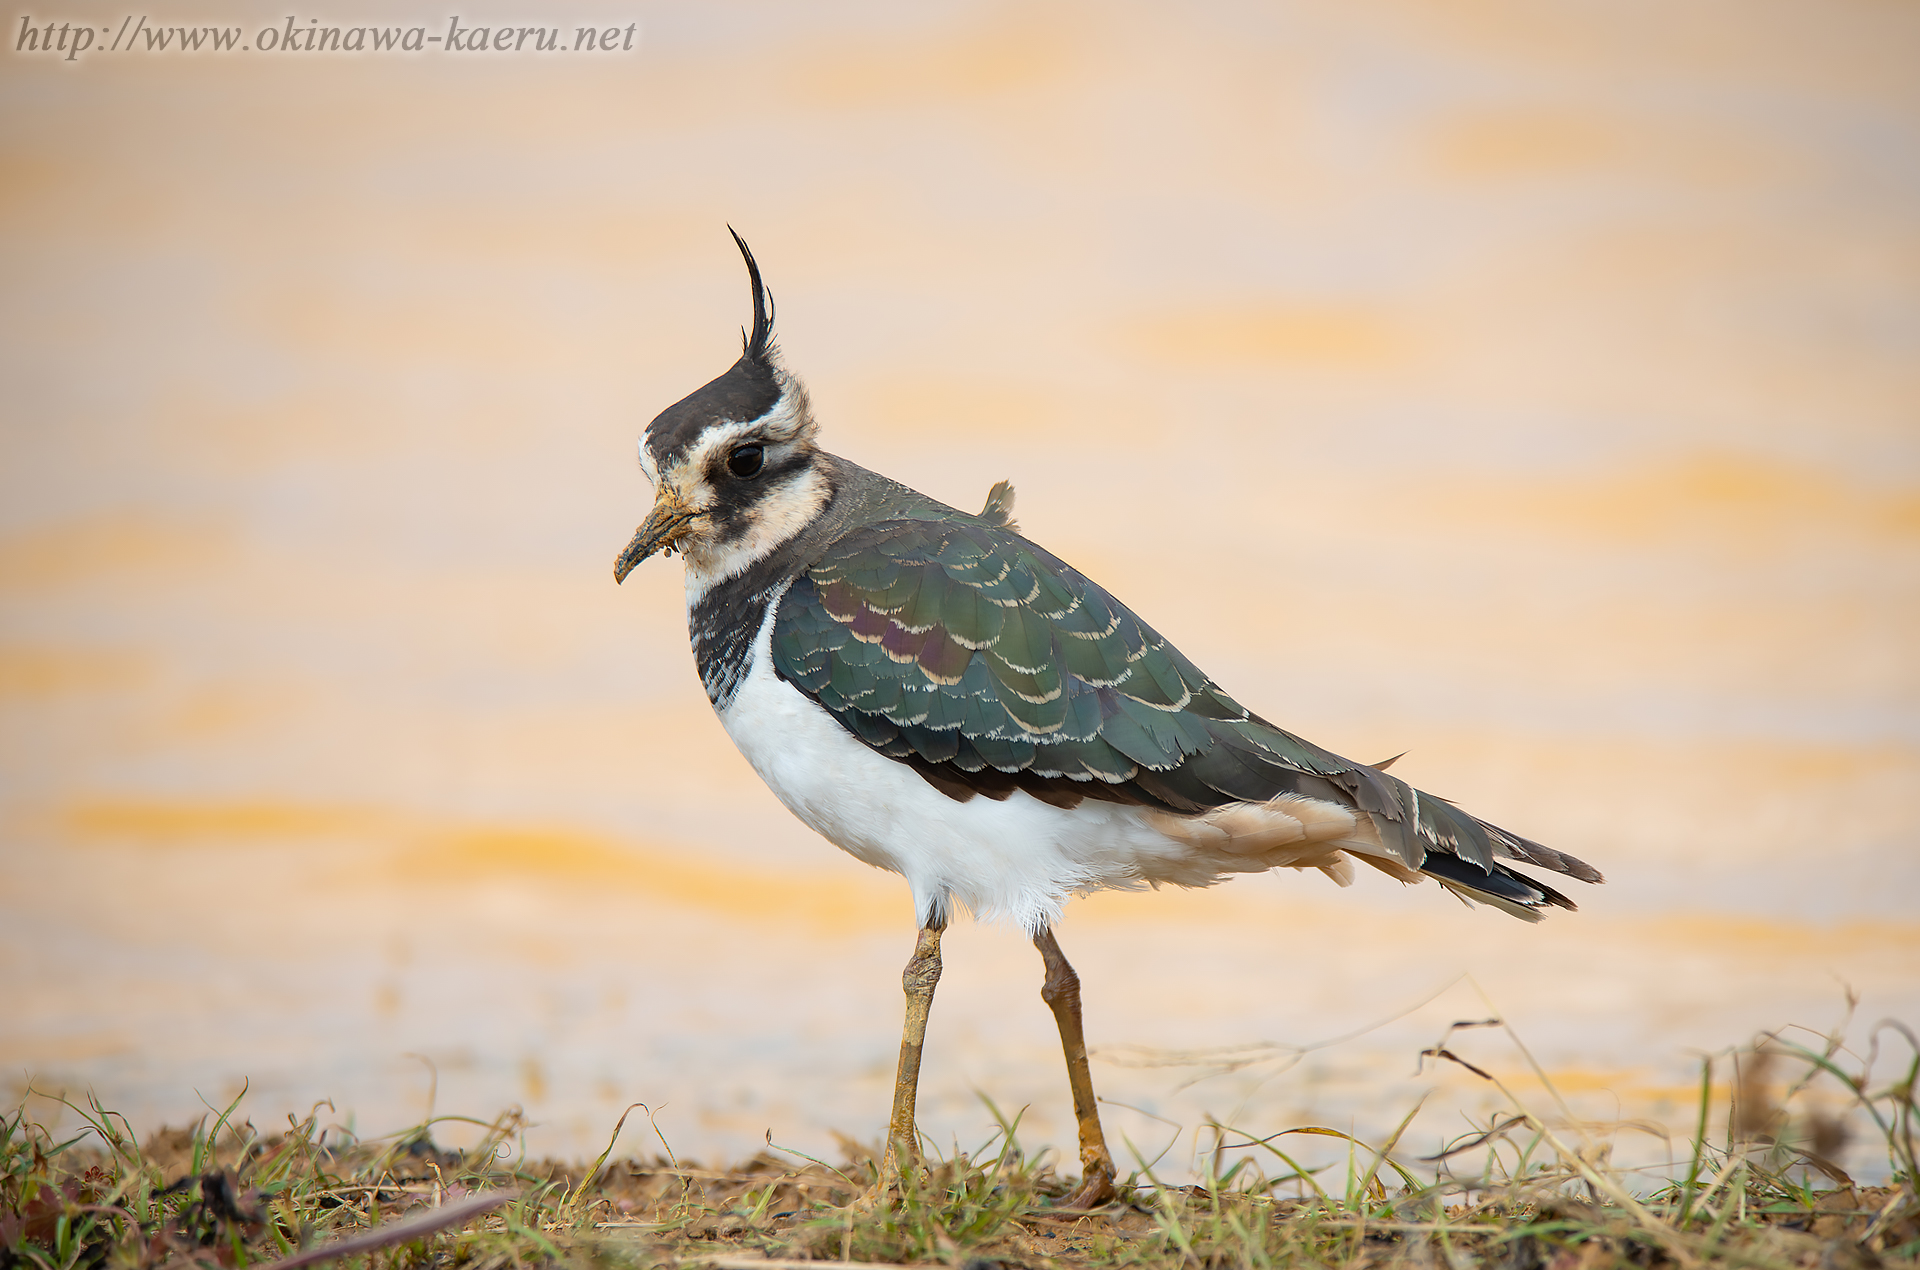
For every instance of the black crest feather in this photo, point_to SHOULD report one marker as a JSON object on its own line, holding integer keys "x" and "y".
{"x": 748, "y": 390}
{"x": 759, "y": 345}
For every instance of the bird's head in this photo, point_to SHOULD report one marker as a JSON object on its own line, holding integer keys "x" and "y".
{"x": 733, "y": 465}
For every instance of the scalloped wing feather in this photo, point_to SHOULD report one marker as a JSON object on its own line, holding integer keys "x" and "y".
{"x": 969, "y": 651}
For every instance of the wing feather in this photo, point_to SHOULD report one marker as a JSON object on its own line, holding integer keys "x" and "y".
{"x": 989, "y": 665}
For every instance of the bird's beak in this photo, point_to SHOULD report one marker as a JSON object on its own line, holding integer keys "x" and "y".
{"x": 663, "y": 528}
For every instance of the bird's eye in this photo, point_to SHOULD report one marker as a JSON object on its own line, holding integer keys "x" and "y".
{"x": 745, "y": 460}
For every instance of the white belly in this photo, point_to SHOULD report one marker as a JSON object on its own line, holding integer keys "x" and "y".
{"x": 1016, "y": 860}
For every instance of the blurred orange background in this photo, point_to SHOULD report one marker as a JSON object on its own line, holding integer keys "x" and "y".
{"x": 1531, "y": 387}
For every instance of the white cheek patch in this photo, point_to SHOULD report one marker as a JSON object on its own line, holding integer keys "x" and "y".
{"x": 648, "y": 467}
{"x": 782, "y": 511}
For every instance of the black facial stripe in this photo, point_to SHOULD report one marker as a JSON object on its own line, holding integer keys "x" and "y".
{"x": 731, "y": 511}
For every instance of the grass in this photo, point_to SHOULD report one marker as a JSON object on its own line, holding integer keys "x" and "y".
{"x": 1762, "y": 1190}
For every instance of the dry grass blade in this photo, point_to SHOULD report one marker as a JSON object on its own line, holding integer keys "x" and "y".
{"x": 790, "y": 1263}
{"x": 405, "y": 1230}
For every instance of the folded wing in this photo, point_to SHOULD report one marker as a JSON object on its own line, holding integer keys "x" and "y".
{"x": 989, "y": 665}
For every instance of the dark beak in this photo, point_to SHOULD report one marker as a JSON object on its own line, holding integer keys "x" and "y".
{"x": 664, "y": 526}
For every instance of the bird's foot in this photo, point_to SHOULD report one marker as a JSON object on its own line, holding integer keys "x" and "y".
{"x": 882, "y": 1194}
{"x": 1096, "y": 1188}
{"x": 885, "y": 1191}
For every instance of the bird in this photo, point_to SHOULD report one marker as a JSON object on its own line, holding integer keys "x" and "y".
{"x": 941, "y": 697}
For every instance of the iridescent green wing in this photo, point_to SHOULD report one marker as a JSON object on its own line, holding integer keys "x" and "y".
{"x": 990, "y": 665}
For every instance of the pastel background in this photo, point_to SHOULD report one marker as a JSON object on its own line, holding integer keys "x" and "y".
{"x": 1531, "y": 387}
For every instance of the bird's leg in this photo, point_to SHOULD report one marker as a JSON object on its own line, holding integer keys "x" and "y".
{"x": 919, "y": 979}
{"x": 1061, "y": 992}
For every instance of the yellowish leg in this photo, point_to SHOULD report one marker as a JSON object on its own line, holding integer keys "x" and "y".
{"x": 1061, "y": 992}
{"x": 903, "y": 1138}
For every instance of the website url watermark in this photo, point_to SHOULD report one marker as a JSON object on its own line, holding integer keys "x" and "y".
{"x": 136, "y": 33}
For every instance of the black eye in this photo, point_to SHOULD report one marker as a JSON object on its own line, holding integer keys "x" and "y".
{"x": 745, "y": 460}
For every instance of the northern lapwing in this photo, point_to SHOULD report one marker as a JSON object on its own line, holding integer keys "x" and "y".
{"x": 941, "y": 697}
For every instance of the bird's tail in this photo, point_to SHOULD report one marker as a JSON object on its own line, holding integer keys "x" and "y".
{"x": 1293, "y": 831}
{"x": 1499, "y": 886}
